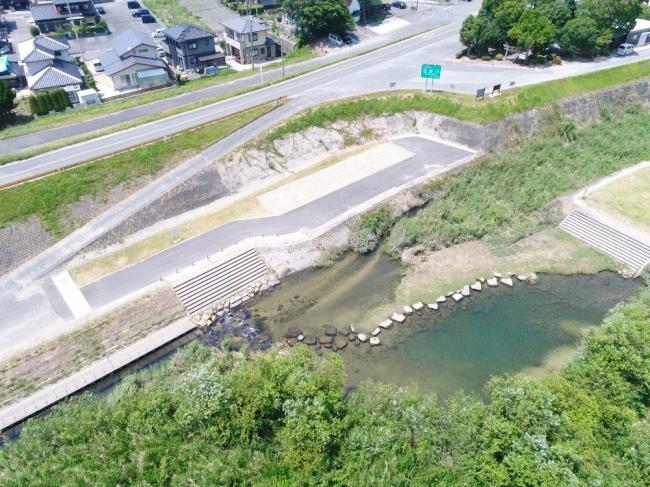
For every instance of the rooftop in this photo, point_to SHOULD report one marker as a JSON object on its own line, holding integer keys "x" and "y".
{"x": 242, "y": 25}
{"x": 129, "y": 40}
{"x": 186, "y": 32}
{"x": 60, "y": 73}
{"x": 41, "y": 48}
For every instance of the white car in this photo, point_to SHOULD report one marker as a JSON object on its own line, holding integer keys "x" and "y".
{"x": 625, "y": 49}
{"x": 335, "y": 39}
{"x": 158, "y": 33}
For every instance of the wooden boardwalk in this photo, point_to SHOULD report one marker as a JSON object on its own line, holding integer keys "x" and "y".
{"x": 38, "y": 402}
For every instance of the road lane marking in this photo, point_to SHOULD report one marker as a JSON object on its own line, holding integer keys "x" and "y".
{"x": 71, "y": 294}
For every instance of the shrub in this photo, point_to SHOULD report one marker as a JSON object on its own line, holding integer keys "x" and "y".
{"x": 34, "y": 31}
{"x": 499, "y": 57}
{"x": 557, "y": 60}
{"x": 486, "y": 58}
{"x": 366, "y": 232}
{"x": 472, "y": 56}
{"x": 46, "y": 99}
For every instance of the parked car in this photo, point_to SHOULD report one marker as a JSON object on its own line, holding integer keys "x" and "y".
{"x": 335, "y": 39}
{"x": 132, "y": 4}
{"x": 625, "y": 49}
{"x": 97, "y": 66}
{"x": 101, "y": 10}
{"x": 158, "y": 33}
{"x": 140, "y": 12}
{"x": 398, "y": 4}
{"x": 348, "y": 38}
{"x": 148, "y": 19}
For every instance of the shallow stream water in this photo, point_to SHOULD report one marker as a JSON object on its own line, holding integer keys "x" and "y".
{"x": 528, "y": 328}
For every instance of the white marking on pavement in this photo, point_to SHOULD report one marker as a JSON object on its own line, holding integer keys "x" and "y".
{"x": 71, "y": 294}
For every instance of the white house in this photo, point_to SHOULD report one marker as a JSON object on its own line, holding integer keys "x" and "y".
{"x": 47, "y": 65}
{"x": 247, "y": 37}
{"x": 133, "y": 63}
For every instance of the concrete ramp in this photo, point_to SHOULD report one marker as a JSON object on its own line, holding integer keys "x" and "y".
{"x": 607, "y": 239}
{"x": 221, "y": 281}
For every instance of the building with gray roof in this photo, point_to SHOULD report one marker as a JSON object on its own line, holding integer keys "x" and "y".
{"x": 191, "y": 47}
{"x": 132, "y": 62}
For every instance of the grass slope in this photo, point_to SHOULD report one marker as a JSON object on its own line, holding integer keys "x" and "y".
{"x": 47, "y": 198}
{"x": 462, "y": 107}
{"x": 172, "y": 12}
{"x": 501, "y": 195}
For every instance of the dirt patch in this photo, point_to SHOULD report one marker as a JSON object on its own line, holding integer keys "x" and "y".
{"x": 59, "y": 358}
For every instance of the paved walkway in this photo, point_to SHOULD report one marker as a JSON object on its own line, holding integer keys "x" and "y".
{"x": 429, "y": 158}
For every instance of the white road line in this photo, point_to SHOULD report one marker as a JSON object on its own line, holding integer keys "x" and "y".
{"x": 71, "y": 294}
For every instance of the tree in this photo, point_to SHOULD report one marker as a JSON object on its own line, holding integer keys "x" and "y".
{"x": 582, "y": 36}
{"x": 316, "y": 18}
{"x": 7, "y": 104}
{"x": 532, "y": 31}
{"x": 619, "y": 16}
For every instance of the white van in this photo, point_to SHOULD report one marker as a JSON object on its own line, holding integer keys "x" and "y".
{"x": 625, "y": 49}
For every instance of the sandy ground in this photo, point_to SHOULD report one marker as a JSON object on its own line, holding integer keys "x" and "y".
{"x": 430, "y": 275}
{"x": 58, "y": 358}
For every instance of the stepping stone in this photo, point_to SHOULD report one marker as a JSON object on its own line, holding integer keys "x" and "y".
{"x": 465, "y": 290}
{"x": 492, "y": 282}
{"x": 300, "y": 338}
{"x": 376, "y": 332}
{"x": 481, "y": 280}
{"x": 522, "y": 277}
{"x": 533, "y": 278}
{"x": 363, "y": 338}
{"x": 457, "y": 297}
{"x": 408, "y": 310}
{"x": 310, "y": 341}
{"x": 433, "y": 306}
{"x": 352, "y": 337}
{"x": 441, "y": 299}
{"x": 353, "y": 329}
{"x": 331, "y": 331}
{"x": 345, "y": 332}
{"x": 496, "y": 274}
{"x": 293, "y": 332}
{"x": 450, "y": 294}
{"x": 374, "y": 341}
{"x": 325, "y": 340}
{"x": 386, "y": 324}
{"x": 476, "y": 286}
{"x": 340, "y": 343}
{"x": 418, "y": 306}
{"x": 507, "y": 281}
{"x": 398, "y": 317}
{"x": 291, "y": 341}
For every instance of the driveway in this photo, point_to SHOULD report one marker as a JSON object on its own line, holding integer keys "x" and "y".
{"x": 119, "y": 19}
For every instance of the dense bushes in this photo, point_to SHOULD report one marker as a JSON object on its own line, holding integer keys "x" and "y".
{"x": 367, "y": 230}
{"x": 282, "y": 420}
{"x": 47, "y": 101}
{"x": 502, "y": 195}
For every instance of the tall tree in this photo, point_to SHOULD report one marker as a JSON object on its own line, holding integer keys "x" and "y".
{"x": 533, "y": 30}
{"x": 316, "y": 18}
{"x": 619, "y": 16}
{"x": 7, "y": 104}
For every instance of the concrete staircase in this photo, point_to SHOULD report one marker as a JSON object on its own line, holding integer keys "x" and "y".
{"x": 608, "y": 240}
{"x": 221, "y": 281}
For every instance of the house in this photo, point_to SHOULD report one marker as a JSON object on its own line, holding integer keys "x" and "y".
{"x": 11, "y": 72}
{"x": 132, "y": 62}
{"x": 47, "y": 65}
{"x": 640, "y": 35}
{"x": 247, "y": 37}
{"x": 190, "y": 47}
{"x": 51, "y": 16}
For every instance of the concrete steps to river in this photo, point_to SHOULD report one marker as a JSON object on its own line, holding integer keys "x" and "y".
{"x": 605, "y": 238}
{"x": 221, "y": 281}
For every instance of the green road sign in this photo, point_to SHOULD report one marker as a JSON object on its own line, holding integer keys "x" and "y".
{"x": 431, "y": 71}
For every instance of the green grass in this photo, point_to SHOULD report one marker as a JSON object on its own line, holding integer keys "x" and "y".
{"x": 171, "y": 12}
{"x": 47, "y": 198}
{"x": 501, "y": 196}
{"x": 462, "y": 107}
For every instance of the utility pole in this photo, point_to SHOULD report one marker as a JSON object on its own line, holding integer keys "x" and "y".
{"x": 250, "y": 34}
{"x": 74, "y": 29}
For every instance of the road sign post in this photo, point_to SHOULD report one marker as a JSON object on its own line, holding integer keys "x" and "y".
{"x": 430, "y": 72}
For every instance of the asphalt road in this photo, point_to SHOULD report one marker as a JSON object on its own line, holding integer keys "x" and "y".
{"x": 428, "y": 156}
